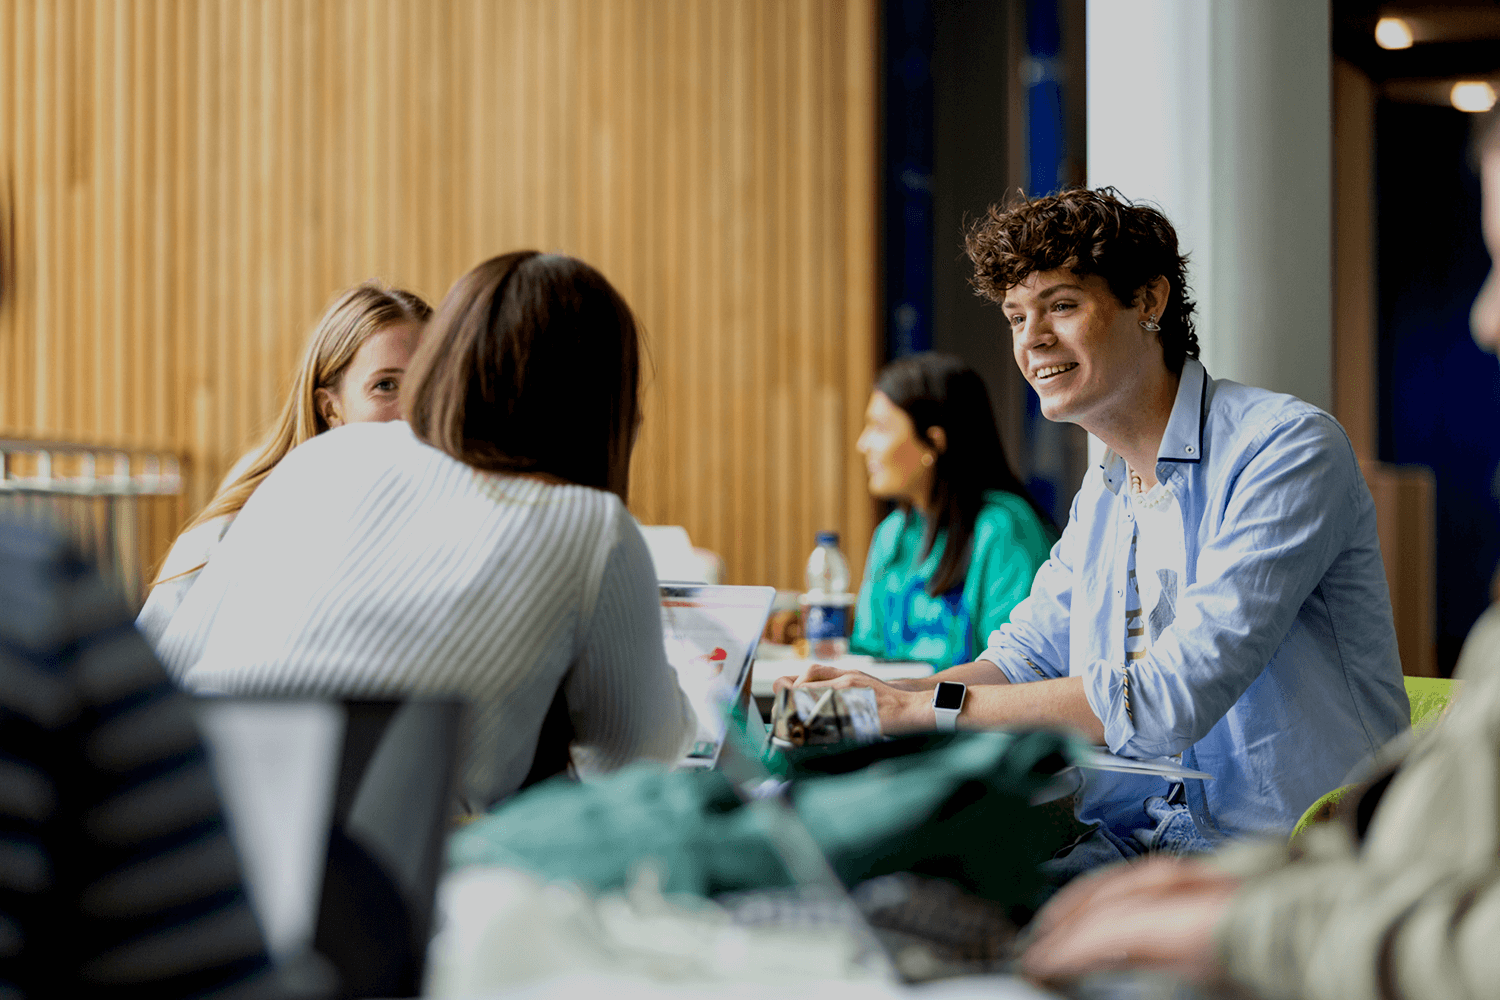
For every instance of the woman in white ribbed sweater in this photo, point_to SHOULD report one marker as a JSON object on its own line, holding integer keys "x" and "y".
{"x": 480, "y": 549}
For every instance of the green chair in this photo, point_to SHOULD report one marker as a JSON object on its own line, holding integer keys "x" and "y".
{"x": 1429, "y": 696}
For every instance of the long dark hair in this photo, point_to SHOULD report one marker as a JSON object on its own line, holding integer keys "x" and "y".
{"x": 532, "y": 364}
{"x": 939, "y": 390}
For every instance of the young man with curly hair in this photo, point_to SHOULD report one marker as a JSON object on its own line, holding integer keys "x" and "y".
{"x": 1402, "y": 901}
{"x": 1218, "y": 596}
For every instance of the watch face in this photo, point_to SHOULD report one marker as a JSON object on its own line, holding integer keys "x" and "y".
{"x": 949, "y": 696}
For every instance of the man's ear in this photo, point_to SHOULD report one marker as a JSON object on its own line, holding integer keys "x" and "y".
{"x": 939, "y": 439}
{"x": 1153, "y": 295}
{"x": 327, "y": 405}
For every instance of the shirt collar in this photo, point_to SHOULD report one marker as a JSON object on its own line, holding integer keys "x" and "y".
{"x": 1183, "y": 439}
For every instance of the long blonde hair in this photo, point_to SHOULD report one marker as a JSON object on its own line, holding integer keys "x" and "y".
{"x": 353, "y": 317}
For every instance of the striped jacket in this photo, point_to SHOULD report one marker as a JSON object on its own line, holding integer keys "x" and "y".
{"x": 117, "y": 876}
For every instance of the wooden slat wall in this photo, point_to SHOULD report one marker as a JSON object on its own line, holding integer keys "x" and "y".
{"x": 185, "y": 183}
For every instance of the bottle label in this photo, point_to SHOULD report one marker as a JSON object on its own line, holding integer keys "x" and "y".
{"x": 826, "y": 621}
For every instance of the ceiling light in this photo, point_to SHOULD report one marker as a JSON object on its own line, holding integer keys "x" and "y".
{"x": 1472, "y": 95}
{"x": 1392, "y": 33}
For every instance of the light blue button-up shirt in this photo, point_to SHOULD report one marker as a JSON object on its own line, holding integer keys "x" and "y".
{"x": 1280, "y": 672}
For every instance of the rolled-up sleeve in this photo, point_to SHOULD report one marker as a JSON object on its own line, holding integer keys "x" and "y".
{"x": 1288, "y": 510}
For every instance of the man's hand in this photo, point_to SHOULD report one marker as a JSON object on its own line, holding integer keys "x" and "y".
{"x": 1157, "y": 914}
{"x": 901, "y": 711}
{"x": 814, "y": 671}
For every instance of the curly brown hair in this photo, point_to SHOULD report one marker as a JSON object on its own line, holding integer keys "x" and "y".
{"x": 1087, "y": 232}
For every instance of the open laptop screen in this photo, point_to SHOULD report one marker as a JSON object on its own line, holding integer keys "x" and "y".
{"x": 711, "y": 634}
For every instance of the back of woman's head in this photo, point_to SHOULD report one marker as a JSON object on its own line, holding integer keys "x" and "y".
{"x": 939, "y": 390}
{"x": 532, "y": 364}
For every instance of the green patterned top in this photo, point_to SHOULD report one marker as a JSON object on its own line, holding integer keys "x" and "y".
{"x": 897, "y": 619}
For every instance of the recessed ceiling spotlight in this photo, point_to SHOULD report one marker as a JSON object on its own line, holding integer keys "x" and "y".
{"x": 1472, "y": 95}
{"x": 1392, "y": 33}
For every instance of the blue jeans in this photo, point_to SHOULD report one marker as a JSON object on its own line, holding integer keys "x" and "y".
{"x": 1174, "y": 833}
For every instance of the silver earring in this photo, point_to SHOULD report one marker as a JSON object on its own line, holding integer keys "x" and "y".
{"x": 1150, "y": 324}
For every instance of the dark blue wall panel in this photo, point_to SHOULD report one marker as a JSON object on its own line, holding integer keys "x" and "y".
{"x": 1439, "y": 393}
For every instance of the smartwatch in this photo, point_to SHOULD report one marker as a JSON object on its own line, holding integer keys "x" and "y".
{"x": 947, "y": 702}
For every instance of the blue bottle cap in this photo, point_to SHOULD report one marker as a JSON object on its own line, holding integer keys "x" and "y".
{"x": 828, "y": 538}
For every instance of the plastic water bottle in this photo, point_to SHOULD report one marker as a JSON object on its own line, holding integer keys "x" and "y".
{"x": 827, "y": 605}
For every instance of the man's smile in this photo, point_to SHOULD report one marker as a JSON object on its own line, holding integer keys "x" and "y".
{"x": 1050, "y": 370}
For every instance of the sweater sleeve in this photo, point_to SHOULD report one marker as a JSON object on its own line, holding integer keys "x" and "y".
{"x": 186, "y": 559}
{"x": 1341, "y": 928}
{"x": 1413, "y": 911}
{"x": 622, "y": 693}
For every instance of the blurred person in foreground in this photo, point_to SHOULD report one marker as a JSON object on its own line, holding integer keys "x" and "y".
{"x": 1217, "y": 598}
{"x": 945, "y": 568}
{"x": 1402, "y": 901}
{"x": 479, "y": 549}
{"x": 117, "y": 875}
{"x": 350, "y": 372}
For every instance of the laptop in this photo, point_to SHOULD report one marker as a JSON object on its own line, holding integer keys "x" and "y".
{"x": 711, "y": 633}
{"x": 339, "y": 811}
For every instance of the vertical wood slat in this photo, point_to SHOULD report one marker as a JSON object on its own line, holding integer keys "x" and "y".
{"x": 184, "y": 184}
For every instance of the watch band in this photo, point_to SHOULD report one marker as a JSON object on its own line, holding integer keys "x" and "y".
{"x": 947, "y": 702}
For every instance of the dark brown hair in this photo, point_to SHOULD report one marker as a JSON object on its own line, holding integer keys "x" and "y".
{"x": 532, "y": 364}
{"x": 939, "y": 390}
{"x": 1087, "y": 232}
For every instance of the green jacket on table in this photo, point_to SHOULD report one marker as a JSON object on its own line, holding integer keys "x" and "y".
{"x": 897, "y": 619}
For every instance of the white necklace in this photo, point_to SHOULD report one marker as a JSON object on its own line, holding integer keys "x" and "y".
{"x": 1155, "y": 498}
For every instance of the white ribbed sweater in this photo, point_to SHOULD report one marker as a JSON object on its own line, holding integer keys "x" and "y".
{"x": 371, "y": 564}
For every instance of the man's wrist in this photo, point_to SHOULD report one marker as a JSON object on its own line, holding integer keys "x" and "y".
{"x": 915, "y": 715}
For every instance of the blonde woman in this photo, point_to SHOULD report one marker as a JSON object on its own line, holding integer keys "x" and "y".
{"x": 480, "y": 550}
{"x": 350, "y": 372}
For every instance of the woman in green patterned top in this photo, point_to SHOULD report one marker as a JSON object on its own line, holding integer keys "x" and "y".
{"x": 946, "y": 568}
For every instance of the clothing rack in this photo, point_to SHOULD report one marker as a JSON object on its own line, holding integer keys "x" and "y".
{"x": 95, "y": 494}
